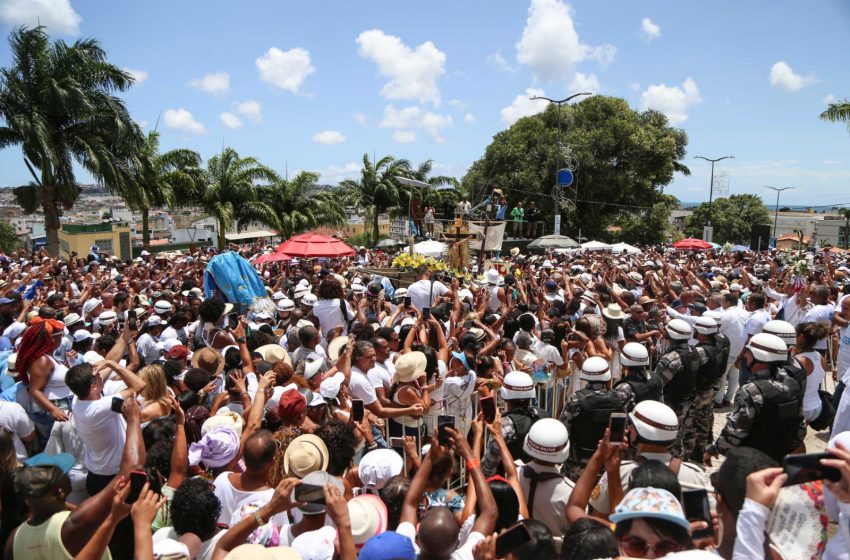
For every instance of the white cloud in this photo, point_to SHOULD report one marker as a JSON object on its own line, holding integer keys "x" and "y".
{"x": 412, "y": 73}
{"x": 585, "y": 82}
{"x": 672, "y": 101}
{"x": 497, "y": 60}
{"x": 230, "y": 120}
{"x": 182, "y": 120}
{"x": 469, "y": 118}
{"x": 458, "y": 104}
{"x": 143, "y": 124}
{"x": 251, "y": 109}
{"x": 217, "y": 83}
{"x": 333, "y": 174}
{"x": 829, "y": 98}
{"x": 404, "y": 136}
{"x": 649, "y": 29}
{"x": 523, "y": 106}
{"x": 57, "y": 15}
{"x": 416, "y": 117}
{"x": 139, "y": 76}
{"x": 360, "y": 118}
{"x": 329, "y": 137}
{"x": 634, "y": 86}
{"x": 782, "y": 76}
{"x": 550, "y": 45}
{"x": 285, "y": 70}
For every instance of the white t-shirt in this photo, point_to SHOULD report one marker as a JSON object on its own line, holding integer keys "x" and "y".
{"x": 103, "y": 434}
{"x": 381, "y": 376}
{"x": 149, "y": 348}
{"x": 329, "y": 314}
{"x": 207, "y": 547}
{"x": 547, "y": 353}
{"x": 844, "y": 353}
{"x": 421, "y": 294}
{"x": 359, "y": 387}
{"x": 232, "y": 499}
{"x": 14, "y": 419}
{"x": 820, "y": 314}
{"x": 463, "y": 553}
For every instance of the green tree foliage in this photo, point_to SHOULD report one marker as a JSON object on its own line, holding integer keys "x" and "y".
{"x": 626, "y": 158}
{"x": 377, "y": 190}
{"x": 57, "y": 104}
{"x": 9, "y": 240}
{"x": 732, "y": 218}
{"x": 299, "y": 206}
{"x": 650, "y": 226}
{"x": 837, "y": 112}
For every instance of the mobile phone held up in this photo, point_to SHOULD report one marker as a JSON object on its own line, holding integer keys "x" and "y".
{"x": 488, "y": 408}
{"x": 511, "y": 539}
{"x": 233, "y": 320}
{"x": 310, "y": 493}
{"x": 617, "y": 423}
{"x": 426, "y": 313}
{"x": 806, "y": 467}
{"x": 357, "y": 410}
{"x": 444, "y": 422}
{"x": 695, "y": 503}
{"x": 117, "y": 404}
{"x": 137, "y": 482}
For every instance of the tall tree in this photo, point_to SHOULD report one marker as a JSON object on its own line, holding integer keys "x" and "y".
{"x": 622, "y": 159}
{"x": 377, "y": 190}
{"x": 837, "y": 112}
{"x": 9, "y": 240}
{"x": 229, "y": 192}
{"x": 648, "y": 226}
{"x": 732, "y": 218}
{"x": 298, "y": 205}
{"x": 161, "y": 180}
{"x": 57, "y": 104}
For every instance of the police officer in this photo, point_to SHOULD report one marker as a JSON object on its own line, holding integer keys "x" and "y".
{"x": 518, "y": 393}
{"x": 586, "y": 413}
{"x": 788, "y": 334}
{"x": 768, "y": 410}
{"x": 546, "y": 490}
{"x": 678, "y": 370}
{"x": 653, "y": 427}
{"x": 637, "y": 383}
{"x": 700, "y": 420}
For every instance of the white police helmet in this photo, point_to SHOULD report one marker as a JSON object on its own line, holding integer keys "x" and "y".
{"x": 655, "y": 422}
{"x": 678, "y": 329}
{"x": 547, "y": 440}
{"x": 634, "y": 354}
{"x": 783, "y": 330}
{"x": 595, "y": 368}
{"x": 768, "y": 347}
{"x": 706, "y": 325}
{"x": 517, "y": 385}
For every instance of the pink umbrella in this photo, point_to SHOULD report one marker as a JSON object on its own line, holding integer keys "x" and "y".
{"x": 309, "y": 245}
{"x": 691, "y": 243}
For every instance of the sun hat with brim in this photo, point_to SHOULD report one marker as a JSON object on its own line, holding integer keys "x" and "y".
{"x": 305, "y": 454}
{"x": 368, "y": 516}
{"x": 655, "y": 503}
{"x": 461, "y": 357}
{"x": 312, "y": 367}
{"x": 259, "y": 552}
{"x": 107, "y": 318}
{"x": 209, "y": 360}
{"x": 317, "y": 400}
{"x": 329, "y": 387}
{"x": 613, "y": 311}
{"x": 70, "y": 319}
{"x": 378, "y": 466}
{"x": 314, "y": 502}
{"x": 223, "y": 418}
{"x": 410, "y": 366}
{"x": 335, "y": 347}
{"x": 41, "y": 473}
{"x": 274, "y": 353}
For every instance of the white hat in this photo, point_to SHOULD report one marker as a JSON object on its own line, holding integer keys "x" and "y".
{"x": 309, "y": 300}
{"x": 714, "y": 314}
{"x": 82, "y": 335}
{"x": 465, "y": 294}
{"x": 492, "y": 276}
{"x": 517, "y": 385}
{"x": 613, "y": 311}
{"x": 378, "y": 466}
{"x": 313, "y": 367}
{"x": 330, "y": 386}
{"x": 768, "y": 347}
{"x": 735, "y": 287}
{"x": 634, "y": 354}
{"x": 677, "y": 329}
{"x": 107, "y": 318}
{"x": 655, "y": 422}
{"x": 300, "y": 292}
{"x": 357, "y": 287}
{"x": 262, "y": 315}
{"x": 547, "y": 440}
{"x": 286, "y": 304}
{"x": 706, "y": 325}
{"x": 162, "y": 306}
{"x": 71, "y": 319}
{"x": 401, "y": 292}
{"x": 546, "y": 264}
{"x": 304, "y": 283}
{"x": 144, "y": 254}
{"x": 317, "y": 400}
{"x": 595, "y": 369}
{"x": 154, "y": 321}
{"x": 277, "y": 296}
{"x": 782, "y": 329}
{"x": 90, "y": 305}
{"x": 312, "y": 545}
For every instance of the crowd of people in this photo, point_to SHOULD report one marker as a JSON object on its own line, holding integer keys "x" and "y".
{"x": 576, "y": 406}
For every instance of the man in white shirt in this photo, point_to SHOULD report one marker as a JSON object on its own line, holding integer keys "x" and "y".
{"x": 381, "y": 376}
{"x": 732, "y": 324}
{"x": 759, "y": 316}
{"x": 15, "y": 420}
{"x": 148, "y": 344}
{"x": 359, "y": 387}
{"x": 424, "y": 292}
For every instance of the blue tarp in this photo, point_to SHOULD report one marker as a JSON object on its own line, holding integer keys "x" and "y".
{"x": 741, "y": 248}
{"x": 230, "y": 277}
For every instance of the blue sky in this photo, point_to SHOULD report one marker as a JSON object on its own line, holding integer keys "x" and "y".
{"x": 316, "y": 84}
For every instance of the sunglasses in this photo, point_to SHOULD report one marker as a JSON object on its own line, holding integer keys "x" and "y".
{"x": 637, "y": 547}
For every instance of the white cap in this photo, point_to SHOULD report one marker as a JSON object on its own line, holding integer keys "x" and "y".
{"x": 655, "y": 422}
{"x": 677, "y": 329}
{"x": 162, "y": 306}
{"x": 144, "y": 254}
{"x": 735, "y": 287}
{"x": 154, "y": 321}
{"x": 547, "y": 440}
{"x": 330, "y": 386}
{"x": 595, "y": 369}
{"x": 517, "y": 385}
{"x": 768, "y": 348}
{"x": 82, "y": 335}
{"x": 317, "y": 400}
{"x": 634, "y": 354}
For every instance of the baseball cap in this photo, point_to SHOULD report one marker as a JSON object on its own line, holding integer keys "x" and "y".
{"x": 315, "y": 502}
{"x": 178, "y": 352}
{"x": 388, "y": 546}
{"x": 154, "y": 321}
{"x": 82, "y": 335}
{"x": 41, "y": 473}
{"x": 655, "y": 503}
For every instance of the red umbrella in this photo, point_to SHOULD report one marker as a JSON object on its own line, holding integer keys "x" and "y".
{"x": 309, "y": 245}
{"x": 272, "y": 257}
{"x": 691, "y": 243}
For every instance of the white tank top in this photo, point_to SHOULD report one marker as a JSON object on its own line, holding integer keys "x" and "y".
{"x": 56, "y": 388}
{"x": 493, "y": 304}
{"x": 407, "y": 421}
{"x": 811, "y": 400}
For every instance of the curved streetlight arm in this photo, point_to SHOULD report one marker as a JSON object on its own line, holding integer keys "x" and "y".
{"x": 557, "y": 102}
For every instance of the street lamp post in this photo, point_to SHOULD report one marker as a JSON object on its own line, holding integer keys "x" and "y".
{"x": 776, "y": 211}
{"x": 709, "y": 232}
{"x": 558, "y": 154}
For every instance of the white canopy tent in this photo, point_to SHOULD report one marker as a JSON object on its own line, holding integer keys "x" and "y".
{"x": 620, "y": 247}
{"x": 596, "y": 246}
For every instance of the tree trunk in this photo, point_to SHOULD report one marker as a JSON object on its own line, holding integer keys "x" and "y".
{"x": 375, "y": 227}
{"x": 146, "y": 234}
{"x": 222, "y": 242}
{"x": 51, "y": 220}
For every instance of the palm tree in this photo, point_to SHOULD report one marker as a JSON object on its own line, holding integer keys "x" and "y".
{"x": 161, "y": 179}
{"x": 377, "y": 189}
{"x": 229, "y": 193}
{"x": 423, "y": 173}
{"x": 837, "y": 112}
{"x": 845, "y": 213}
{"x": 57, "y": 103}
{"x": 299, "y": 206}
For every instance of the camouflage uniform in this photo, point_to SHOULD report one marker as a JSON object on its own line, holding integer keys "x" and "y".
{"x": 574, "y": 418}
{"x": 746, "y": 412}
{"x": 669, "y": 366}
{"x": 699, "y": 425}
{"x": 492, "y": 461}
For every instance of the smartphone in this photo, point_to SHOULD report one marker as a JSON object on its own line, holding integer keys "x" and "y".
{"x": 511, "y": 539}
{"x": 806, "y": 467}
{"x": 407, "y": 301}
{"x": 312, "y": 493}
{"x": 695, "y": 503}
{"x": 357, "y": 411}
{"x": 444, "y": 422}
{"x": 117, "y": 404}
{"x": 396, "y": 442}
{"x": 233, "y": 320}
{"x": 488, "y": 407}
{"x": 137, "y": 482}
{"x": 426, "y": 313}
{"x": 132, "y": 324}
{"x": 617, "y": 423}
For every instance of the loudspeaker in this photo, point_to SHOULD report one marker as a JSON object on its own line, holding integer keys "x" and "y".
{"x": 760, "y": 237}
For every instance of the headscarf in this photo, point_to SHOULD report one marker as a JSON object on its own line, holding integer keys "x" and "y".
{"x": 216, "y": 449}
{"x": 195, "y": 418}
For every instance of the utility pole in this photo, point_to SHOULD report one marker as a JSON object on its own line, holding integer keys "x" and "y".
{"x": 708, "y": 231}
{"x": 776, "y": 211}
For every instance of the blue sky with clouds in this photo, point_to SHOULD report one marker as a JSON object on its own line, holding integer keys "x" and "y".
{"x": 315, "y": 84}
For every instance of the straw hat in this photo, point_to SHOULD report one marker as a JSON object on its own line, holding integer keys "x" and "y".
{"x": 274, "y": 353}
{"x": 336, "y": 346}
{"x": 305, "y": 454}
{"x": 410, "y": 366}
{"x": 613, "y": 311}
{"x": 208, "y": 359}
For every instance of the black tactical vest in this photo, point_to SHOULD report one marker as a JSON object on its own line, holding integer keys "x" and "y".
{"x": 683, "y": 384}
{"x": 776, "y": 423}
{"x": 645, "y": 389}
{"x": 588, "y": 427}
